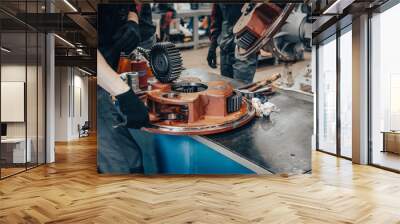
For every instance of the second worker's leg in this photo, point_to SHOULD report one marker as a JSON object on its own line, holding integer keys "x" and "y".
{"x": 227, "y": 59}
{"x": 244, "y": 70}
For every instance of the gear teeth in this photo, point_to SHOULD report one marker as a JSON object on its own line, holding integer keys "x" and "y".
{"x": 234, "y": 102}
{"x": 246, "y": 40}
{"x": 166, "y": 62}
{"x": 189, "y": 87}
{"x": 144, "y": 52}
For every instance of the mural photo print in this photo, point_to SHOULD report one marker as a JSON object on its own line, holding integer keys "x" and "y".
{"x": 204, "y": 88}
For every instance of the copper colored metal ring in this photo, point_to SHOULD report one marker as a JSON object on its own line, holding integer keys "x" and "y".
{"x": 206, "y": 129}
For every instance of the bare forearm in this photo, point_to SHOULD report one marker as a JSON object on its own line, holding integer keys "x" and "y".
{"x": 108, "y": 79}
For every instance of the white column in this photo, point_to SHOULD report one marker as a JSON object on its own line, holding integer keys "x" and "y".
{"x": 50, "y": 92}
{"x": 360, "y": 90}
{"x": 50, "y": 99}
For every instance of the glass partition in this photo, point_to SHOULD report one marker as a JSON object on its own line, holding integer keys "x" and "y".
{"x": 14, "y": 153}
{"x": 327, "y": 96}
{"x": 32, "y": 97}
{"x": 334, "y": 102}
{"x": 22, "y": 78}
{"x": 346, "y": 93}
{"x": 385, "y": 89}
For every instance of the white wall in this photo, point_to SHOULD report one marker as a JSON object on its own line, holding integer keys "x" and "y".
{"x": 61, "y": 103}
{"x": 12, "y": 73}
{"x": 12, "y": 101}
{"x": 17, "y": 73}
{"x": 80, "y": 112}
{"x": 71, "y": 103}
{"x": 33, "y": 126}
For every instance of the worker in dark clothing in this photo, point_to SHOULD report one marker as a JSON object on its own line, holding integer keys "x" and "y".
{"x": 223, "y": 19}
{"x": 168, "y": 15}
{"x": 120, "y": 29}
{"x": 118, "y": 33}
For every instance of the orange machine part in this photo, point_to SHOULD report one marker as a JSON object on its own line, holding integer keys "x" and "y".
{"x": 161, "y": 86}
{"x": 258, "y": 21}
{"x": 201, "y": 111}
{"x": 124, "y": 64}
{"x": 140, "y": 66}
{"x": 149, "y": 72}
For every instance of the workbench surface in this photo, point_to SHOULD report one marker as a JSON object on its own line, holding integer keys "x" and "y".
{"x": 281, "y": 144}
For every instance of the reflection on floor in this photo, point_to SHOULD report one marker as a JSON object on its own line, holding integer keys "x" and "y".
{"x": 10, "y": 171}
{"x": 387, "y": 159}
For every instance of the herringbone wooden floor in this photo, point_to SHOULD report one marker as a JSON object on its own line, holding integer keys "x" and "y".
{"x": 71, "y": 191}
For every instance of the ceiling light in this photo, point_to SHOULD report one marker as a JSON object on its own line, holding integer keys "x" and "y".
{"x": 337, "y": 7}
{"x": 70, "y": 5}
{"x": 331, "y": 7}
{"x": 84, "y": 71}
{"x": 5, "y": 50}
{"x": 65, "y": 41}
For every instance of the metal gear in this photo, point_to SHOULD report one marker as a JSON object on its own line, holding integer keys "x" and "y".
{"x": 234, "y": 102}
{"x": 188, "y": 87}
{"x": 165, "y": 62}
{"x": 275, "y": 21}
{"x": 144, "y": 52}
{"x": 246, "y": 40}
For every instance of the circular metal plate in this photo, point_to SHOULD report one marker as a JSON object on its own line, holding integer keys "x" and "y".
{"x": 205, "y": 129}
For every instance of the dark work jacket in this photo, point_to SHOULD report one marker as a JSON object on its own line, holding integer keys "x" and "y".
{"x": 111, "y": 17}
{"x": 147, "y": 28}
{"x": 223, "y": 19}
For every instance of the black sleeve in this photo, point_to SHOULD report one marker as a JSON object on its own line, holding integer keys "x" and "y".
{"x": 116, "y": 33}
{"x": 133, "y": 108}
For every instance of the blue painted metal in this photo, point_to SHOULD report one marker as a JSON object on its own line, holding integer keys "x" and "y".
{"x": 185, "y": 155}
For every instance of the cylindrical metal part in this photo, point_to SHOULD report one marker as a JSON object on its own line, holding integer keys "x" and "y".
{"x": 132, "y": 79}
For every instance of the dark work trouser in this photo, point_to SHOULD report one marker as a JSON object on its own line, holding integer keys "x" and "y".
{"x": 144, "y": 139}
{"x": 232, "y": 67}
{"x": 242, "y": 70}
{"x": 122, "y": 150}
{"x": 117, "y": 152}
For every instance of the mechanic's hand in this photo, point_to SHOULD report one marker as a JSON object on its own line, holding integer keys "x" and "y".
{"x": 212, "y": 56}
{"x": 127, "y": 37}
{"x": 136, "y": 113}
{"x": 153, "y": 118}
{"x": 132, "y": 16}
